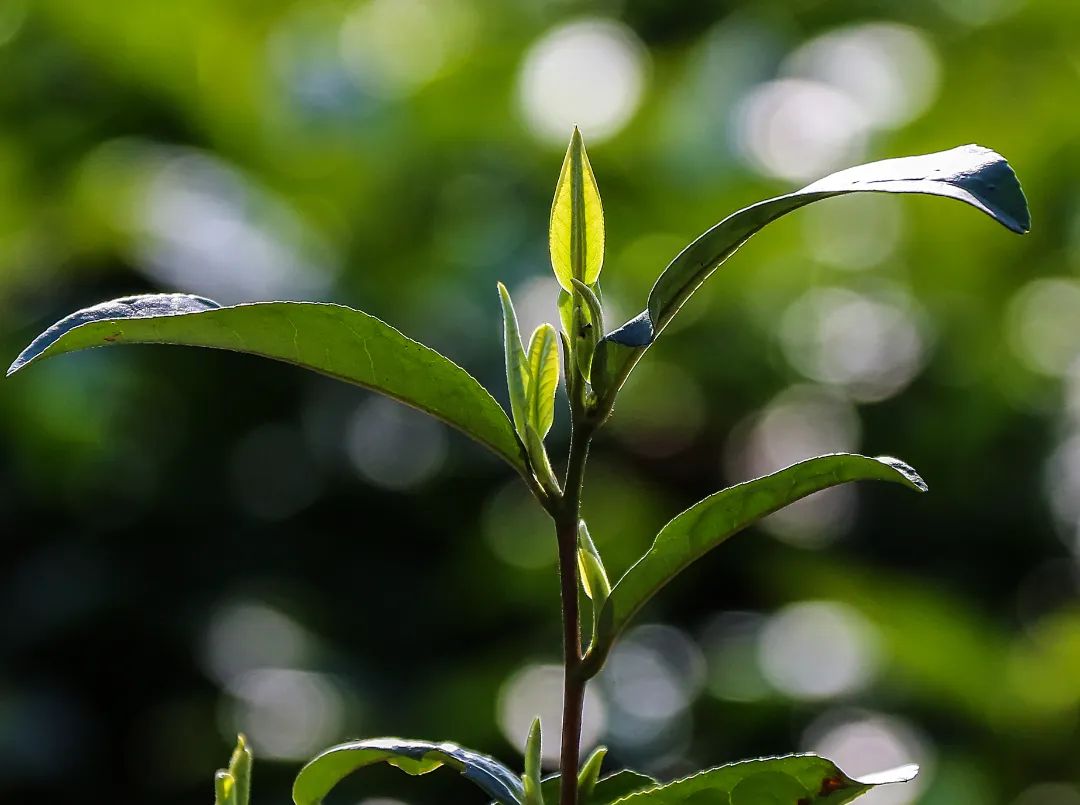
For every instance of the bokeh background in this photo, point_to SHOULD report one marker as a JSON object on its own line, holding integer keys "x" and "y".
{"x": 195, "y": 542}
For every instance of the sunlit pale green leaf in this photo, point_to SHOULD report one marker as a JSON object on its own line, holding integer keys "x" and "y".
{"x": 576, "y": 231}
{"x": 337, "y": 341}
{"x": 224, "y": 788}
{"x": 240, "y": 768}
{"x": 594, "y": 576}
{"x": 543, "y": 378}
{"x": 531, "y": 779}
{"x": 709, "y": 522}
{"x": 789, "y": 780}
{"x": 517, "y": 364}
{"x": 326, "y": 770}
{"x": 589, "y": 775}
{"x": 972, "y": 174}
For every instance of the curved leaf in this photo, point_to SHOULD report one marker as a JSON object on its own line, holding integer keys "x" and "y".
{"x": 326, "y": 770}
{"x": 576, "y": 229}
{"x": 970, "y": 173}
{"x": 789, "y": 780}
{"x": 543, "y": 378}
{"x": 517, "y": 365}
{"x": 711, "y": 521}
{"x": 332, "y": 339}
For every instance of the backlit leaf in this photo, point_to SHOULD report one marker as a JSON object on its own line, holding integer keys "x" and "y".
{"x": 576, "y": 230}
{"x": 543, "y": 378}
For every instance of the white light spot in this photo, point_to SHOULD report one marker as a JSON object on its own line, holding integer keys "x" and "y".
{"x": 536, "y": 302}
{"x": 800, "y": 423}
{"x": 865, "y": 743}
{"x": 245, "y": 635}
{"x": 818, "y": 650}
{"x": 890, "y": 71}
{"x": 1042, "y": 324}
{"x": 797, "y": 129}
{"x": 287, "y": 714}
{"x": 590, "y": 73}
{"x": 536, "y": 690}
{"x": 393, "y": 47}
{"x": 394, "y": 447}
{"x": 871, "y": 346}
{"x": 654, "y": 673}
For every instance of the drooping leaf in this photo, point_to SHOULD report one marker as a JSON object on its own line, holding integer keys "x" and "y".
{"x": 971, "y": 174}
{"x": 332, "y": 339}
{"x": 543, "y": 378}
{"x": 240, "y": 768}
{"x": 789, "y": 780}
{"x": 517, "y": 364}
{"x": 531, "y": 779}
{"x": 326, "y": 770}
{"x": 576, "y": 230}
{"x": 606, "y": 790}
{"x": 710, "y": 522}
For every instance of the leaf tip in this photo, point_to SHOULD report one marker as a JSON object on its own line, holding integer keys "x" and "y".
{"x": 907, "y": 471}
{"x": 900, "y": 774}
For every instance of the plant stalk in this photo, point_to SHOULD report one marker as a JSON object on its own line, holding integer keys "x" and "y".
{"x": 566, "y": 528}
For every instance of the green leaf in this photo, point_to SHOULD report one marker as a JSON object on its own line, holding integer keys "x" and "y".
{"x": 711, "y": 521}
{"x": 337, "y": 341}
{"x": 594, "y": 577}
{"x": 540, "y": 461}
{"x": 543, "y": 378}
{"x": 589, "y": 775}
{"x": 517, "y": 365}
{"x": 224, "y": 788}
{"x": 326, "y": 770}
{"x": 606, "y": 790}
{"x": 576, "y": 230}
{"x": 789, "y": 780}
{"x": 592, "y": 304}
{"x": 971, "y": 174}
{"x": 531, "y": 779}
{"x": 240, "y": 769}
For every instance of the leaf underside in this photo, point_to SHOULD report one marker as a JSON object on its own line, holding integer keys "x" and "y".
{"x": 789, "y": 780}
{"x": 708, "y": 523}
{"x": 970, "y": 173}
{"x": 326, "y": 770}
{"x": 334, "y": 340}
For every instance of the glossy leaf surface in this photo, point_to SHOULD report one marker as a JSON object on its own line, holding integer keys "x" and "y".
{"x": 709, "y": 522}
{"x": 576, "y": 229}
{"x": 789, "y": 780}
{"x": 326, "y": 770}
{"x": 970, "y": 173}
{"x": 331, "y": 339}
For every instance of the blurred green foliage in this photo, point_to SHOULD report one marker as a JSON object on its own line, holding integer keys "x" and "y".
{"x": 186, "y": 555}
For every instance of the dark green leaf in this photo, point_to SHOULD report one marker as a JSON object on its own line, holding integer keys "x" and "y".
{"x": 709, "y": 522}
{"x": 326, "y": 770}
{"x": 790, "y": 780}
{"x": 337, "y": 341}
{"x": 972, "y": 174}
{"x": 606, "y": 790}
